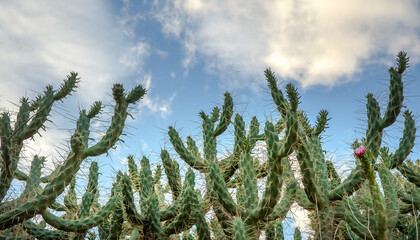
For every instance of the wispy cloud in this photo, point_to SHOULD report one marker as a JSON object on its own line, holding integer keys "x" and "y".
{"x": 321, "y": 42}
{"x": 154, "y": 103}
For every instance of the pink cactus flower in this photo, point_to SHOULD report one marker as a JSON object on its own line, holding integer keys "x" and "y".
{"x": 360, "y": 151}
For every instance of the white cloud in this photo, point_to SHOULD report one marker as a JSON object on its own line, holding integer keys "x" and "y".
{"x": 314, "y": 42}
{"x": 153, "y": 103}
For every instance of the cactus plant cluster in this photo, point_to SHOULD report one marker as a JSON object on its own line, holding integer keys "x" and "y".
{"x": 379, "y": 199}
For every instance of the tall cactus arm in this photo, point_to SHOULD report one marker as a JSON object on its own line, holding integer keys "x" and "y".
{"x": 172, "y": 173}
{"x": 396, "y": 90}
{"x": 250, "y": 181}
{"x": 83, "y": 224}
{"x": 183, "y": 152}
{"x": 277, "y": 95}
{"x": 221, "y": 190}
{"x": 226, "y": 115}
{"x": 118, "y": 120}
{"x": 129, "y": 206}
{"x": 133, "y": 172}
{"x": 153, "y": 215}
{"x": 282, "y": 208}
{"x": 406, "y": 143}
{"x": 391, "y": 197}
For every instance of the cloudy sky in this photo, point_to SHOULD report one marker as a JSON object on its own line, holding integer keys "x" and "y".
{"x": 187, "y": 53}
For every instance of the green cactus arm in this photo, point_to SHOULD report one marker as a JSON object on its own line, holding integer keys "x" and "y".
{"x": 51, "y": 191}
{"x": 396, "y": 90}
{"x": 282, "y": 208}
{"x": 172, "y": 173}
{"x": 349, "y": 185}
{"x": 410, "y": 174}
{"x": 183, "y": 152}
{"x": 378, "y": 203}
{"x": 117, "y": 122}
{"x": 130, "y": 208}
{"x": 391, "y": 196}
{"x": 277, "y": 95}
{"x": 180, "y": 223}
{"x": 321, "y": 123}
{"x": 238, "y": 230}
{"x": 226, "y": 115}
{"x": 91, "y": 191}
{"x": 406, "y": 143}
{"x": 133, "y": 172}
{"x": 221, "y": 190}
{"x": 146, "y": 183}
{"x": 203, "y": 229}
{"x": 42, "y": 233}
{"x": 153, "y": 215}
{"x": 70, "y": 200}
{"x": 335, "y": 179}
{"x": 83, "y": 224}
{"x": 250, "y": 181}
{"x": 58, "y": 207}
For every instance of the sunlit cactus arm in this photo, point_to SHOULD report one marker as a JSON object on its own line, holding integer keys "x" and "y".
{"x": 282, "y": 208}
{"x": 118, "y": 119}
{"x": 221, "y": 190}
{"x": 226, "y": 115}
{"x": 406, "y": 143}
{"x": 390, "y": 196}
{"x": 172, "y": 173}
{"x": 128, "y": 199}
{"x": 351, "y": 184}
{"x": 190, "y": 158}
{"x": 133, "y": 172}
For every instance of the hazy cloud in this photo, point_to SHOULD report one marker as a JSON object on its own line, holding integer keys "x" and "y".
{"x": 318, "y": 42}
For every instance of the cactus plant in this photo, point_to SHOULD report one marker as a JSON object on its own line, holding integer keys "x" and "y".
{"x": 30, "y": 119}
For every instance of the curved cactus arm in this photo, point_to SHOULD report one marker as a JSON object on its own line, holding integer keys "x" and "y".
{"x": 396, "y": 90}
{"x": 223, "y": 195}
{"x": 172, "y": 173}
{"x": 335, "y": 179}
{"x": 153, "y": 215}
{"x": 51, "y": 191}
{"x": 118, "y": 120}
{"x": 276, "y": 93}
{"x": 83, "y": 224}
{"x": 410, "y": 174}
{"x": 406, "y": 143}
{"x": 180, "y": 223}
{"x": 410, "y": 194}
{"x": 349, "y": 185}
{"x": 42, "y": 233}
{"x": 282, "y": 208}
{"x": 183, "y": 152}
{"x": 91, "y": 191}
{"x": 250, "y": 181}
{"x": 133, "y": 172}
{"x": 130, "y": 208}
{"x": 226, "y": 115}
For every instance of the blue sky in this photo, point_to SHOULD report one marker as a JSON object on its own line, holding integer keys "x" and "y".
{"x": 187, "y": 53}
